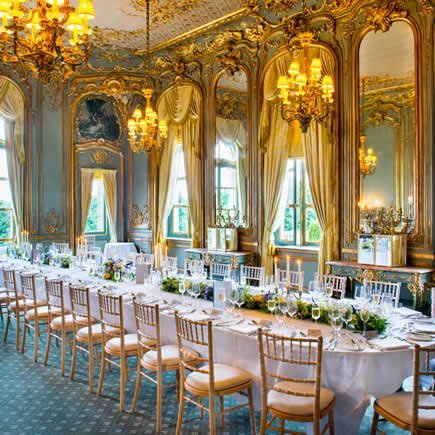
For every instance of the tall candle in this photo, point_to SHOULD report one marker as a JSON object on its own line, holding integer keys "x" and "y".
{"x": 287, "y": 275}
{"x": 276, "y": 272}
{"x": 300, "y": 274}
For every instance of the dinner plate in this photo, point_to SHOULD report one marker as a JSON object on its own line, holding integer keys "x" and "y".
{"x": 425, "y": 327}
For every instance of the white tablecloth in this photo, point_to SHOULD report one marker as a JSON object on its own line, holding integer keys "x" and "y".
{"x": 354, "y": 376}
{"x": 119, "y": 250}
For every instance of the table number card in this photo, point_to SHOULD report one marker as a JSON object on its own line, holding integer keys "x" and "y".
{"x": 221, "y": 291}
{"x": 142, "y": 272}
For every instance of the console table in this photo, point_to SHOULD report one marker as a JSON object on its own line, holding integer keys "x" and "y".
{"x": 416, "y": 281}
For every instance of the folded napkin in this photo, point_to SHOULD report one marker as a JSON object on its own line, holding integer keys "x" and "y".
{"x": 198, "y": 316}
{"x": 389, "y": 343}
{"x": 243, "y": 328}
{"x": 407, "y": 312}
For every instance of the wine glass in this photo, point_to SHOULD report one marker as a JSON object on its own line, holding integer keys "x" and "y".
{"x": 364, "y": 315}
{"x": 281, "y": 311}
{"x": 234, "y": 297}
{"x": 361, "y": 294}
{"x": 346, "y": 313}
{"x": 117, "y": 275}
{"x": 337, "y": 324}
{"x": 315, "y": 313}
{"x": 241, "y": 297}
{"x": 271, "y": 305}
{"x": 329, "y": 290}
{"x": 292, "y": 306}
{"x": 376, "y": 296}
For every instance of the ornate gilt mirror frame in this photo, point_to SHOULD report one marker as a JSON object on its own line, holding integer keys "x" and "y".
{"x": 354, "y": 189}
{"x": 249, "y": 146}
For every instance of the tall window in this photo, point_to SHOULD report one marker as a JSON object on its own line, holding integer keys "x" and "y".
{"x": 6, "y": 212}
{"x": 179, "y": 218}
{"x": 226, "y": 177}
{"x": 300, "y": 226}
{"x": 96, "y": 222}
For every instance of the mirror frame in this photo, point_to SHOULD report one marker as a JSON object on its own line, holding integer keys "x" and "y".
{"x": 249, "y": 149}
{"x": 354, "y": 190}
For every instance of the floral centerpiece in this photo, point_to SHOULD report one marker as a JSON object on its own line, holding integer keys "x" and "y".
{"x": 65, "y": 262}
{"x": 47, "y": 257}
{"x": 110, "y": 266}
{"x": 259, "y": 301}
{"x": 171, "y": 285}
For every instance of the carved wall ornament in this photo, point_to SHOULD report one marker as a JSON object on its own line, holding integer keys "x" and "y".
{"x": 230, "y": 61}
{"x": 100, "y": 157}
{"x": 51, "y": 222}
{"x": 382, "y": 17}
{"x": 230, "y": 107}
{"x": 140, "y": 217}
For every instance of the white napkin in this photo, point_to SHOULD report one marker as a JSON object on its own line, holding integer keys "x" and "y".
{"x": 243, "y": 328}
{"x": 198, "y": 316}
{"x": 424, "y": 327}
{"x": 407, "y": 312}
{"x": 389, "y": 343}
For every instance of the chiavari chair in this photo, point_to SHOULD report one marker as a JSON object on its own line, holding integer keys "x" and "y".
{"x": 220, "y": 271}
{"x": 60, "y": 323}
{"x": 249, "y": 274}
{"x": 296, "y": 280}
{"x": 287, "y": 398}
{"x": 411, "y": 411}
{"x": 337, "y": 282}
{"x": 154, "y": 359}
{"x": 33, "y": 318}
{"x": 385, "y": 288}
{"x": 115, "y": 344}
{"x": 15, "y": 305}
{"x": 193, "y": 266}
{"x": 87, "y": 334}
{"x": 206, "y": 379}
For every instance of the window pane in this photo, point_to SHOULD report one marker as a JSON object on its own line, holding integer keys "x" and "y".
{"x": 3, "y": 164}
{"x": 181, "y": 193}
{"x": 2, "y": 130}
{"x": 95, "y": 222}
{"x": 5, "y": 194}
{"x": 6, "y": 224}
{"x": 180, "y": 220}
{"x": 288, "y": 228}
{"x": 225, "y": 152}
{"x": 313, "y": 231}
{"x": 228, "y": 177}
{"x": 228, "y": 198}
{"x": 308, "y": 197}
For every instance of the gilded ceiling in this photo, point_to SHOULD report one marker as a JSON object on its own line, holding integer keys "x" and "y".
{"x": 121, "y": 23}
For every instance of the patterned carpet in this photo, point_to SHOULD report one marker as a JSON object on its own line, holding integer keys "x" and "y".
{"x": 37, "y": 400}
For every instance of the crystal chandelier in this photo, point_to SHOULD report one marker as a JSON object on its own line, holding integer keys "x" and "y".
{"x": 367, "y": 159}
{"x": 305, "y": 94}
{"x": 145, "y": 132}
{"x": 51, "y": 37}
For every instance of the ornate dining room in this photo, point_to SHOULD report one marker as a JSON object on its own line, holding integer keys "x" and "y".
{"x": 216, "y": 217}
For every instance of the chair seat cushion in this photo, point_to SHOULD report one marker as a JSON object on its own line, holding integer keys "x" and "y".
{"x": 170, "y": 357}
{"x": 56, "y": 323}
{"x": 113, "y": 346}
{"x": 42, "y": 313}
{"x": 97, "y": 333}
{"x": 225, "y": 377}
{"x": 400, "y": 406}
{"x": 6, "y": 296}
{"x": 29, "y": 303}
{"x": 297, "y": 405}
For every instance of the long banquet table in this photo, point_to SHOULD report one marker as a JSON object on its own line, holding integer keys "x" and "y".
{"x": 354, "y": 376}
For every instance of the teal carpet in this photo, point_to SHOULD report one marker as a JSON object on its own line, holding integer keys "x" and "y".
{"x": 35, "y": 399}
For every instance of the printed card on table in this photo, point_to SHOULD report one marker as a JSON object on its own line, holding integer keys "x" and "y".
{"x": 221, "y": 292}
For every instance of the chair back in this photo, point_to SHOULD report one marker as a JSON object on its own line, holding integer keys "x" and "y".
{"x": 80, "y": 308}
{"x": 276, "y": 352}
{"x": 148, "y": 328}
{"x": 200, "y": 334}
{"x": 145, "y": 259}
{"x": 338, "y": 282}
{"x": 252, "y": 275}
{"x": 90, "y": 242}
{"x": 10, "y": 279}
{"x": 296, "y": 278}
{"x": 423, "y": 401}
{"x": 61, "y": 248}
{"x": 385, "y": 288}
{"x": 193, "y": 266}
{"x": 111, "y": 318}
{"x": 28, "y": 288}
{"x": 220, "y": 271}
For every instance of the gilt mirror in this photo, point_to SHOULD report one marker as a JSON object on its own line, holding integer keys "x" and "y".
{"x": 387, "y": 119}
{"x": 230, "y": 150}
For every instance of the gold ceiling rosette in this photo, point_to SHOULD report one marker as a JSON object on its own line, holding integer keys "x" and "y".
{"x": 51, "y": 37}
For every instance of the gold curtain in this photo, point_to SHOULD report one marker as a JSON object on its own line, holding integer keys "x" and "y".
{"x": 321, "y": 163}
{"x": 110, "y": 199}
{"x": 181, "y": 107}
{"x": 279, "y": 141}
{"x": 87, "y": 175}
{"x": 12, "y": 110}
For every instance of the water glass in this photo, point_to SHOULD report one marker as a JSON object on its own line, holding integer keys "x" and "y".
{"x": 346, "y": 313}
{"x": 292, "y": 306}
{"x": 315, "y": 313}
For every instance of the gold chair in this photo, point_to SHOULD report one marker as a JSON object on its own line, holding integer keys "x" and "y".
{"x": 15, "y": 305}
{"x": 153, "y": 357}
{"x": 32, "y": 317}
{"x": 208, "y": 379}
{"x": 60, "y": 324}
{"x": 411, "y": 411}
{"x": 86, "y": 333}
{"x": 115, "y": 342}
{"x": 289, "y": 398}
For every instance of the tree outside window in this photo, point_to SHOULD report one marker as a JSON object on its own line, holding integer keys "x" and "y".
{"x": 300, "y": 226}
{"x": 96, "y": 222}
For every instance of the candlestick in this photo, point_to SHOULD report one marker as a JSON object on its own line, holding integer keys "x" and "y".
{"x": 276, "y": 272}
{"x": 299, "y": 262}
{"x": 287, "y": 276}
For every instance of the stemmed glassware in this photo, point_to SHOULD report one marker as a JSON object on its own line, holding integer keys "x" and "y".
{"x": 315, "y": 312}
{"x": 281, "y": 311}
{"x": 234, "y": 297}
{"x": 117, "y": 275}
{"x": 346, "y": 312}
{"x": 271, "y": 305}
{"x": 292, "y": 306}
{"x": 240, "y": 297}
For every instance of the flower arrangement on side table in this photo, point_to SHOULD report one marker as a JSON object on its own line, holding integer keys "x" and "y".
{"x": 111, "y": 266}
